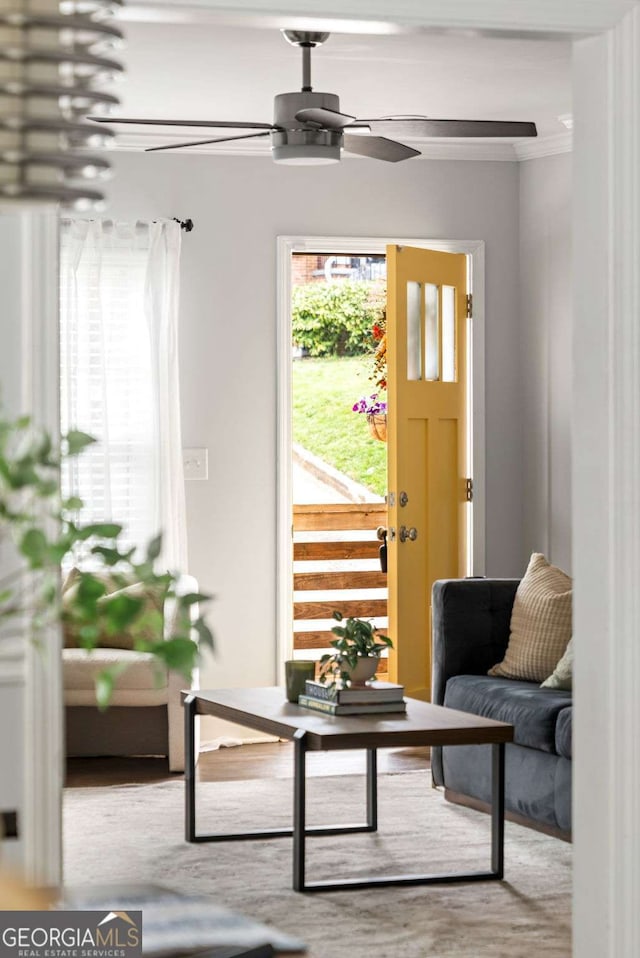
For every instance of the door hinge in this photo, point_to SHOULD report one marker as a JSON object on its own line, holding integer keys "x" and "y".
{"x": 469, "y": 305}
{"x": 468, "y": 484}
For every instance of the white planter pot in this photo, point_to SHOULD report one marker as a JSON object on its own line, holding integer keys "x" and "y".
{"x": 365, "y": 669}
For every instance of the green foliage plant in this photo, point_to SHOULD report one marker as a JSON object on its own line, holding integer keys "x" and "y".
{"x": 336, "y": 319}
{"x": 44, "y": 530}
{"x": 357, "y": 638}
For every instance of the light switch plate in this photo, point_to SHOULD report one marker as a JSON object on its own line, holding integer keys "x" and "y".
{"x": 196, "y": 463}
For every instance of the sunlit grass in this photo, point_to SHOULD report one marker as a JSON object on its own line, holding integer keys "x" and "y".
{"x": 324, "y": 390}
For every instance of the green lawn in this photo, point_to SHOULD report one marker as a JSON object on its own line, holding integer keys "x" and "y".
{"x": 324, "y": 390}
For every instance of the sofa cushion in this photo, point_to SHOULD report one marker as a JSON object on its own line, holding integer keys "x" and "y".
{"x": 531, "y": 781}
{"x": 80, "y": 669}
{"x": 563, "y": 733}
{"x": 540, "y": 623}
{"x": 532, "y": 711}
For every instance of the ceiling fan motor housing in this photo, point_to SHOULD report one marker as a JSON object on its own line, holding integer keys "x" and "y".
{"x": 298, "y": 142}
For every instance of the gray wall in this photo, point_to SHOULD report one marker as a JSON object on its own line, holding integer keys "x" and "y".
{"x": 545, "y": 320}
{"x": 228, "y": 345}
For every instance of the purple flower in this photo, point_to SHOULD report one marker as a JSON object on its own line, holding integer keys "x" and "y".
{"x": 371, "y": 405}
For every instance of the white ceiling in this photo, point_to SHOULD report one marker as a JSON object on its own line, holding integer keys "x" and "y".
{"x": 220, "y": 72}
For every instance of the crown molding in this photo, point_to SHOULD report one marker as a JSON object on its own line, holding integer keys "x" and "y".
{"x": 464, "y": 150}
{"x": 543, "y": 18}
{"x": 544, "y": 146}
{"x": 473, "y": 150}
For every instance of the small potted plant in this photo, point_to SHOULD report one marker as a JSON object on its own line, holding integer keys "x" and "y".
{"x": 356, "y": 655}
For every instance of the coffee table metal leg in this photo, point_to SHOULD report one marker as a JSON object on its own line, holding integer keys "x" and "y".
{"x": 372, "y": 789}
{"x": 300, "y": 830}
{"x": 190, "y": 712}
{"x": 497, "y": 809}
{"x": 377, "y": 881}
{"x": 189, "y": 768}
{"x": 299, "y": 809}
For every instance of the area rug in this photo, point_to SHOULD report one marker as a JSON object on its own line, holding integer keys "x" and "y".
{"x": 135, "y": 834}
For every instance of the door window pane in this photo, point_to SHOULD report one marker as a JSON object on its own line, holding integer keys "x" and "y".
{"x": 414, "y": 330}
{"x": 448, "y": 334}
{"x": 431, "y": 338}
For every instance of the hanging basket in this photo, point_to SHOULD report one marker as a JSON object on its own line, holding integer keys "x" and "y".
{"x": 378, "y": 425}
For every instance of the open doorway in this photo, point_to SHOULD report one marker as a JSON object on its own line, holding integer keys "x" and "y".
{"x": 308, "y": 624}
{"x": 338, "y": 452}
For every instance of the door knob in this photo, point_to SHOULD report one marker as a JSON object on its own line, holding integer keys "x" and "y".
{"x": 411, "y": 534}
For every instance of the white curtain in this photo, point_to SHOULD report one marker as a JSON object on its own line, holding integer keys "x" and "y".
{"x": 119, "y": 376}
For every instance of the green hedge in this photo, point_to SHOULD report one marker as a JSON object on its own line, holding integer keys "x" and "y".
{"x": 336, "y": 319}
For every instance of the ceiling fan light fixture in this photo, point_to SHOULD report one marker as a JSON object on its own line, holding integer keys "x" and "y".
{"x": 306, "y": 155}
{"x": 306, "y": 147}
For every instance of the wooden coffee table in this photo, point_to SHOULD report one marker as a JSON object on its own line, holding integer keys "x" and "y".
{"x": 267, "y": 710}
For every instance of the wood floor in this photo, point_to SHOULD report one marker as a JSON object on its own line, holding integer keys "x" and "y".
{"x": 266, "y": 760}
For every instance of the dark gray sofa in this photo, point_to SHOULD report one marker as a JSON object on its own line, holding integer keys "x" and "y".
{"x": 471, "y": 619}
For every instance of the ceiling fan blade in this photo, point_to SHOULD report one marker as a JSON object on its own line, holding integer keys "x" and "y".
{"x": 423, "y": 127}
{"x": 329, "y": 119}
{"x": 222, "y": 124}
{"x": 379, "y": 148}
{"x": 218, "y": 139}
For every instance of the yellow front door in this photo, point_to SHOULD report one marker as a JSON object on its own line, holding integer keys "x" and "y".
{"x": 427, "y": 447}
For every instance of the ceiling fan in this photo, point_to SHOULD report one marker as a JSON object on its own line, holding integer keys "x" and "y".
{"x": 309, "y": 128}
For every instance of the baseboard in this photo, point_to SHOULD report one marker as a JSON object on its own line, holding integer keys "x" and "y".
{"x": 459, "y": 799}
{"x": 212, "y": 729}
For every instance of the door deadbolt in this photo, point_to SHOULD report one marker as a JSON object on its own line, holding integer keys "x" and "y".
{"x": 403, "y": 498}
{"x": 381, "y": 532}
{"x": 411, "y": 534}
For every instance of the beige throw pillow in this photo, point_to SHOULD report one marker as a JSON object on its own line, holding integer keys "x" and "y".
{"x": 562, "y": 676}
{"x": 540, "y": 623}
{"x": 151, "y": 630}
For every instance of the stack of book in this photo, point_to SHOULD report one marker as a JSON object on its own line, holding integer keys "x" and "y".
{"x": 376, "y": 697}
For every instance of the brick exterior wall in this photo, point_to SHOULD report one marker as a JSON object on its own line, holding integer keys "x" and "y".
{"x": 303, "y": 267}
{"x": 309, "y": 267}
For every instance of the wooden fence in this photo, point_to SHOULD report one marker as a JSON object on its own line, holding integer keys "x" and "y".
{"x": 350, "y": 517}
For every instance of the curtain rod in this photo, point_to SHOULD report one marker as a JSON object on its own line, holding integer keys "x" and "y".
{"x": 186, "y": 225}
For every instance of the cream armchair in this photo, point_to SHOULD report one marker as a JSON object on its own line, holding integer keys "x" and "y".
{"x": 145, "y": 716}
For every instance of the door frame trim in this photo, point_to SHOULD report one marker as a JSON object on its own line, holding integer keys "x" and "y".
{"x": 286, "y": 245}
{"x": 36, "y": 671}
